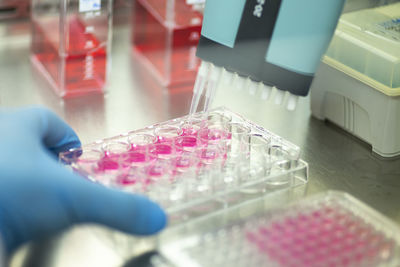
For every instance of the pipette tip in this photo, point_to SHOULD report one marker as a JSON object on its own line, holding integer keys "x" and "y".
{"x": 292, "y": 102}
{"x": 280, "y": 94}
{"x": 266, "y": 92}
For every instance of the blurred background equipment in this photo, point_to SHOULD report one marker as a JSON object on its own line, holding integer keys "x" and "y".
{"x": 11, "y": 9}
{"x": 71, "y": 42}
{"x": 165, "y": 35}
{"x": 358, "y": 87}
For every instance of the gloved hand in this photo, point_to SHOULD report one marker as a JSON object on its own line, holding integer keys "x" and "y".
{"x": 39, "y": 197}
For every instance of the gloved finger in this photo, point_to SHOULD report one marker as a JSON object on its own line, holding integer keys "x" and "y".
{"x": 55, "y": 134}
{"x": 134, "y": 214}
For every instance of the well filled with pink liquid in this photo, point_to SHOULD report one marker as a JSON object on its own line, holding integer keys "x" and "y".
{"x": 180, "y": 152}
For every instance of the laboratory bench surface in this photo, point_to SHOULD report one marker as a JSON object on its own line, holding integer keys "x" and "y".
{"x": 337, "y": 161}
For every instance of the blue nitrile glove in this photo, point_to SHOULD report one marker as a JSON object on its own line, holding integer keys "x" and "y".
{"x": 39, "y": 197}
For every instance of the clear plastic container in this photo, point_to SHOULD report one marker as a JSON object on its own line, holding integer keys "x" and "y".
{"x": 71, "y": 44}
{"x": 164, "y": 39}
{"x": 329, "y": 229}
{"x": 366, "y": 45}
{"x": 195, "y": 166}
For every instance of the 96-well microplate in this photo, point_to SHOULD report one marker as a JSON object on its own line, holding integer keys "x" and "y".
{"x": 328, "y": 230}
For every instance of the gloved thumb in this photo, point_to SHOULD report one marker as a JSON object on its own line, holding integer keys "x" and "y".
{"x": 94, "y": 203}
{"x": 43, "y": 125}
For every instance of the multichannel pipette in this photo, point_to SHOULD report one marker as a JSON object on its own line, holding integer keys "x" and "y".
{"x": 263, "y": 44}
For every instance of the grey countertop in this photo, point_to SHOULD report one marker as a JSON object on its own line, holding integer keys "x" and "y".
{"x": 337, "y": 161}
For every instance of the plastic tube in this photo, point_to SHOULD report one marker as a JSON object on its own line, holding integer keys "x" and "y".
{"x": 199, "y": 85}
{"x": 212, "y": 86}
